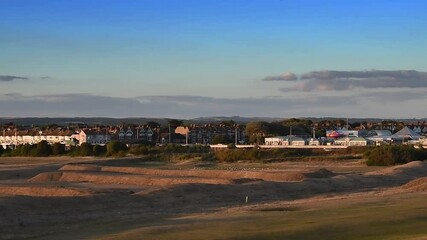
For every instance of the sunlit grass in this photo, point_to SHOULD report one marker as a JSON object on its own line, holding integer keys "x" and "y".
{"x": 398, "y": 218}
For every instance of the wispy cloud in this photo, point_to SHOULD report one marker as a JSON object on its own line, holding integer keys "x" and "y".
{"x": 9, "y": 78}
{"x": 288, "y": 76}
{"x": 345, "y": 80}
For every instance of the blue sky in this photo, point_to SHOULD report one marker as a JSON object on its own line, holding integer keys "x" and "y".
{"x": 202, "y": 58}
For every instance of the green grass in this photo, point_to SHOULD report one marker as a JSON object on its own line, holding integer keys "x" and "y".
{"x": 397, "y": 218}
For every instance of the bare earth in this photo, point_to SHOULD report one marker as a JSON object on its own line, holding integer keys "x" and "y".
{"x": 68, "y": 198}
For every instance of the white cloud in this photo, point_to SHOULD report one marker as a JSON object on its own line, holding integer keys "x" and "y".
{"x": 288, "y": 76}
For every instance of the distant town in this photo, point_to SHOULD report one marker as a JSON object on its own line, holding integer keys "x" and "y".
{"x": 284, "y": 133}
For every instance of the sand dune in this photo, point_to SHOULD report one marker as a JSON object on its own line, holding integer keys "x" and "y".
{"x": 419, "y": 184}
{"x": 38, "y": 191}
{"x": 84, "y": 192}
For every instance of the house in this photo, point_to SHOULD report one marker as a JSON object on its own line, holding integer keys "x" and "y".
{"x": 92, "y": 137}
{"x": 379, "y": 137}
{"x": 284, "y": 141}
{"x": 313, "y": 142}
{"x": 296, "y": 141}
{"x": 351, "y": 141}
{"x": 406, "y": 134}
{"x": 122, "y": 134}
{"x": 19, "y": 137}
{"x": 277, "y": 141}
{"x": 137, "y": 134}
{"x": 204, "y": 134}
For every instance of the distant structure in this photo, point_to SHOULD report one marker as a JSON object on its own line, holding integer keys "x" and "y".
{"x": 204, "y": 134}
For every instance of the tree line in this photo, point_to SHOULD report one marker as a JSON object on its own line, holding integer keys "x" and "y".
{"x": 44, "y": 149}
{"x": 386, "y": 155}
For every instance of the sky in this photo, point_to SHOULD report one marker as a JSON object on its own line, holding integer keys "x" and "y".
{"x": 200, "y": 58}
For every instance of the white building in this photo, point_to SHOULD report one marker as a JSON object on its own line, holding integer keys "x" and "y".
{"x": 66, "y": 137}
{"x": 313, "y": 142}
{"x": 15, "y": 137}
{"x": 284, "y": 141}
{"x": 355, "y": 141}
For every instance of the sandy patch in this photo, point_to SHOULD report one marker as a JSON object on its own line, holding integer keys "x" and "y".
{"x": 42, "y": 191}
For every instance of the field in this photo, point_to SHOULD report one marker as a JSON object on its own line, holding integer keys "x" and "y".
{"x": 86, "y": 198}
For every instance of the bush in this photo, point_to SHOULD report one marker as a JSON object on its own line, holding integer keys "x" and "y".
{"x": 85, "y": 149}
{"x": 58, "y": 149}
{"x": 99, "y": 150}
{"x": 392, "y": 155}
{"x": 7, "y": 152}
{"x": 43, "y": 149}
{"x": 115, "y": 147}
{"x": 139, "y": 150}
{"x": 234, "y": 155}
{"x": 22, "y": 150}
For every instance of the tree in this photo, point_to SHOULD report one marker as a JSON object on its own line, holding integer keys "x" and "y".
{"x": 355, "y": 125}
{"x": 299, "y": 127}
{"x": 175, "y": 123}
{"x": 114, "y": 147}
{"x": 85, "y": 149}
{"x": 1, "y": 150}
{"x": 392, "y": 155}
{"x": 320, "y": 133}
{"x": 256, "y": 131}
{"x": 26, "y": 149}
{"x": 228, "y": 123}
{"x": 340, "y": 123}
{"x": 58, "y": 149}
{"x": 43, "y": 149}
{"x": 98, "y": 150}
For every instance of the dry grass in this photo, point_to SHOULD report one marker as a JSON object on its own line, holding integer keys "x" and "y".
{"x": 54, "y": 199}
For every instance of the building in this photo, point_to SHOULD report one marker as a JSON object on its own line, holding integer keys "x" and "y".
{"x": 20, "y": 137}
{"x": 136, "y": 134}
{"x": 406, "y": 134}
{"x": 313, "y": 142}
{"x": 285, "y": 141}
{"x": 351, "y": 141}
{"x": 204, "y": 134}
{"x": 277, "y": 141}
{"x": 92, "y": 137}
{"x": 379, "y": 137}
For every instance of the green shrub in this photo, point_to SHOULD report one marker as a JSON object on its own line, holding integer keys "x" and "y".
{"x": 394, "y": 154}
{"x": 58, "y": 149}
{"x": 99, "y": 150}
{"x": 7, "y": 152}
{"x": 115, "y": 147}
{"x": 85, "y": 149}
{"x": 43, "y": 149}
{"x": 22, "y": 150}
{"x": 234, "y": 155}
